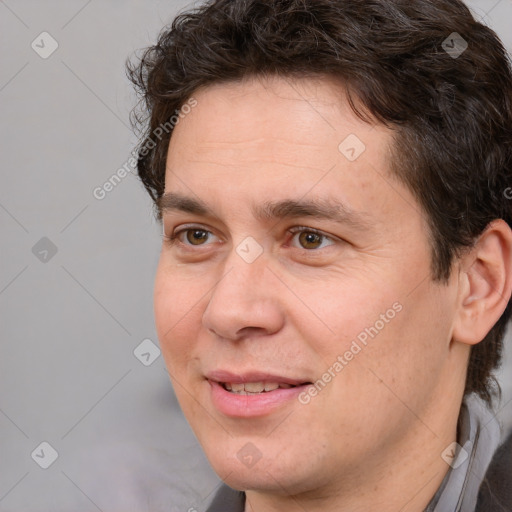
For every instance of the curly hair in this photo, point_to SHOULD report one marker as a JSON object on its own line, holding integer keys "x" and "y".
{"x": 451, "y": 112}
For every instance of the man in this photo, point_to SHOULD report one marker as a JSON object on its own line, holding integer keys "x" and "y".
{"x": 335, "y": 275}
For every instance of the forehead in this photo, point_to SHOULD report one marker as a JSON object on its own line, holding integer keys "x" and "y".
{"x": 303, "y": 115}
{"x": 283, "y": 139}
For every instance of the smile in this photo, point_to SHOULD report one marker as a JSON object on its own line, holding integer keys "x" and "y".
{"x": 254, "y": 388}
{"x": 252, "y": 394}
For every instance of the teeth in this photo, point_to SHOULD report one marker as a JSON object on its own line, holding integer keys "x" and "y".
{"x": 252, "y": 388}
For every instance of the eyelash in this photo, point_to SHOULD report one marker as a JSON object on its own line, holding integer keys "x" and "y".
{"x": 174, "y": 238}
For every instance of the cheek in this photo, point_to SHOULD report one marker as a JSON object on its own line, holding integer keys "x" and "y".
{"x": 177, "y": 303}
{"x": 402, "y": 360}
{"x": 341, "y": 309}
{"x": 383, "y": 326}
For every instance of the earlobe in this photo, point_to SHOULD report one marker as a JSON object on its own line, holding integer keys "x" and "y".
{"x": 485, "y": 283}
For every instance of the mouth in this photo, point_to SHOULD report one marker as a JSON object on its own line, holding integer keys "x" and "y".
{"x": 253, "y": 394}
{"x": 253, "y": 382}
{"x": 256, "y": 388}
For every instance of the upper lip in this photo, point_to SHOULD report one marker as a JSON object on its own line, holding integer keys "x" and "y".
{"x": 251, "y": 376}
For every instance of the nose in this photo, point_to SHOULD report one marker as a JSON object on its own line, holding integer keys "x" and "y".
{"x": 244, "y": 302}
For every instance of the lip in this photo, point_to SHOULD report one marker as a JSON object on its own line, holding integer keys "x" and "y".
{"x": 246, "y": 406}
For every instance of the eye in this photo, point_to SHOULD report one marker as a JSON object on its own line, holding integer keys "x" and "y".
{"x": 196, "y": 236}
{"x": 191, "y": 236}
{"x": 310, "y": 239}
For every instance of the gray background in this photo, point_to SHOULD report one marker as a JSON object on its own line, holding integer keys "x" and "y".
{"x": 70, "y": 321}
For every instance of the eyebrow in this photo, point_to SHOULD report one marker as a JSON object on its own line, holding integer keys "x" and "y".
{"x": 171, "y": 201}
{"x": 325, "y": 208}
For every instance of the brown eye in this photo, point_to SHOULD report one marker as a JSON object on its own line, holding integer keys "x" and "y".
{"x": 196, "y": 236}
{"x": 310, "y": 240}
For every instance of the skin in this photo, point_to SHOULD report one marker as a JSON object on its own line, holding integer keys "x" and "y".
{"x": 372, "y": 439}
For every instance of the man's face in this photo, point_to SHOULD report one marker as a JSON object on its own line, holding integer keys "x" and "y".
{"x": 262, "y": 288}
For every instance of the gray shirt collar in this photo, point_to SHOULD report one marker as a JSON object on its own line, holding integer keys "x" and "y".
{"x": 479, "y": 436}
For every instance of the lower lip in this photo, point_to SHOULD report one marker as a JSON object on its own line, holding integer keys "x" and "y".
{"x": 244, "y": 406}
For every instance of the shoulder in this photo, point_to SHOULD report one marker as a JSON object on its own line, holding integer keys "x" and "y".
{"x": 227, "y": 500}
{"x": 496, "y": 489}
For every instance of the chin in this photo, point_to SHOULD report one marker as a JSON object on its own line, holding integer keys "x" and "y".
{"x": 273, "y": 476}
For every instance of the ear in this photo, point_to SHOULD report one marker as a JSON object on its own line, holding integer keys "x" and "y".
{"x": 485, "y": 283}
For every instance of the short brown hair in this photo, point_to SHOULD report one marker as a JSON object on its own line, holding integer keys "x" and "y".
{"x": 451, "y": 114}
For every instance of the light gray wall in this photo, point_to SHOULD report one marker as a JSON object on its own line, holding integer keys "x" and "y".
{"x": 70, "y": 321}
